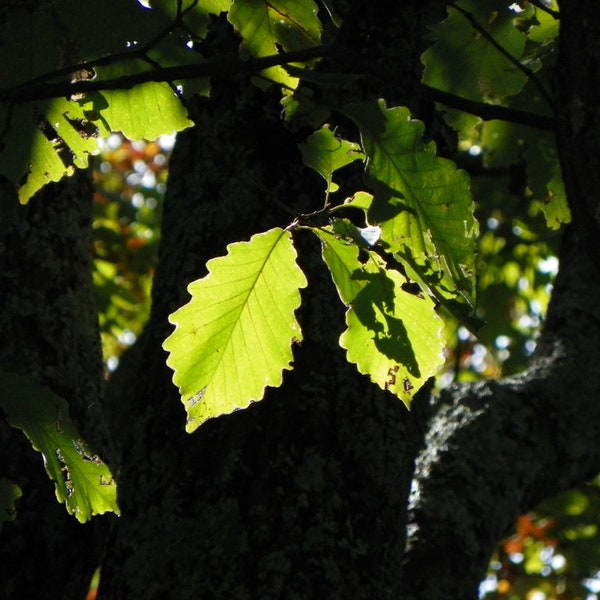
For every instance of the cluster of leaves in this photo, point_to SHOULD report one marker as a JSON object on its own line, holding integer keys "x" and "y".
{"x": 405, "y": 267}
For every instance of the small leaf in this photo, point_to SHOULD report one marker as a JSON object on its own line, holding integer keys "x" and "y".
{"x": 235, "y": 335}
{"x": 393, "y": 335}
{"x": 9, "y": 493}
{"x": 83, "y": 482}
{"x": 326, "y": 153}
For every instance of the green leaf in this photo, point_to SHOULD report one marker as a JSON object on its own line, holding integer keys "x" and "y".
{"x": 507, "y": 144}
{"x": 43, "y": 142}
{"x": 393, "y": 334}
{"x": 463, "y": 61}
{"x": 359, "y": 200}
{"x": 235, "y": 335}
{"x": 145, "y": 111}
{"x": 324, "y": 152}
{"x": 196, "y": 14}
{"x": 83, "y": 482}
{"x": 266, "y": 26}
{"x": 9, "y": 493}
{"x": 422, "y": 203}
{"x": 554, "y": 203}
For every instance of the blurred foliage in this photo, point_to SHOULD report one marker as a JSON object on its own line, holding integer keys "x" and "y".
{"x": 516, "y": 263}
{"x": 130, "y": 179}
{"x": 554, "y": 553}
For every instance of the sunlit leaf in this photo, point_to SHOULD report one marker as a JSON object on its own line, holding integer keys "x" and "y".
{"x": 464, "y": 62}
{"x": 422, "y": 203}
{"x": 83, "y": 482}
{"x": 43, "y": 141}
{"x": 267, "y": 26}
{"x": 324, "y": 152}
{"x": 235, "y": 335}
{"x": 145, "y": 111}
{"x": 393, "y": 333}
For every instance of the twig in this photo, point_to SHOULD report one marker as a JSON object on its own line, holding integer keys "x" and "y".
{"x": 539, "y": 4}
{"x": 222, "y": 68}
{"x": 490, "y": 111}
{"x": 111, "y": 59}
{"x": 520, "y": 66}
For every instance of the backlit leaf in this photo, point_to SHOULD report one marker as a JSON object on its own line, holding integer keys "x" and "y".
{"x": 59, "y": 139}
{"x": 235, "y": 335}
{"x": 83, "y": 482}
{"x": 145, "y": 111}
{"x": 422, "y": 203}
{"x": 464, "y": 62}
{"x": 267, "y": 26}
{"x": 324, "y": 152}
{"x": 393, "y": 333}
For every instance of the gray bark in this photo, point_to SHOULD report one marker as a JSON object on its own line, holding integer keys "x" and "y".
{"x": 48, "y": 331}
{"x": 305, "y": 495}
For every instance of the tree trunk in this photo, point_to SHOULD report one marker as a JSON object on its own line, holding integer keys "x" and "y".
{"x": 305, "y": 494}
{"x": 48, "y": 331}
{"x": 328, "y": 488}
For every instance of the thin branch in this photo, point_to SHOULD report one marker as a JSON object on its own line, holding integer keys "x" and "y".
{"x": 222, "y": 68}
{"x": 520, "y": 66}
{"x": 539, "y": 4}
{"x": 490, "y": 111}
{"x": 140, "y": 52}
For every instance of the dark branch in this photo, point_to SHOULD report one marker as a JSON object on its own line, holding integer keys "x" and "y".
{"x": 539, "y": 4}
{"x": 490, "y": 111}
{"x": 520, "y": 66}
{"x": 217, "y": 69}
{"x": 138, "y": 52}
{"x": 231, "y": 67}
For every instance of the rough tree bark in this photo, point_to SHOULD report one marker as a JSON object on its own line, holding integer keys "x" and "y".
{"x": 48, "y": 330}
{"x": 305, "y": 495}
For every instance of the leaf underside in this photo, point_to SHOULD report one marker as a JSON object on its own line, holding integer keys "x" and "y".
{"x": 393, "y": 335}
{"x": 235, "y": 335}
{"x": 83, "y": 482}
{"x": 422, "y": 203}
